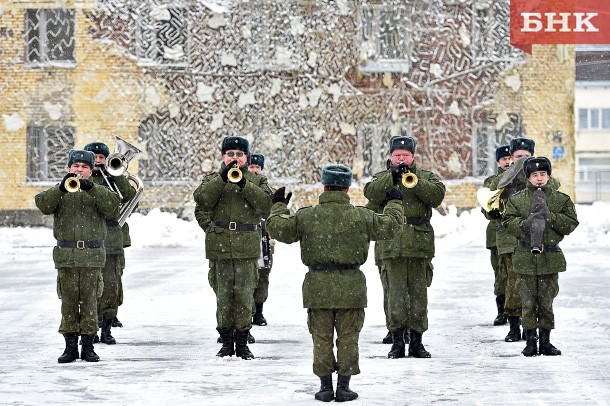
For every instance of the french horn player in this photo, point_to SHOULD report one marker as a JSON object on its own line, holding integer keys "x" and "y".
{"x": 111, "y": 171}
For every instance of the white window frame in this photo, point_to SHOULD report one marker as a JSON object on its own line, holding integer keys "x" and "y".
{"x": 41, "y": 31}
{"x": 588, "y": 124}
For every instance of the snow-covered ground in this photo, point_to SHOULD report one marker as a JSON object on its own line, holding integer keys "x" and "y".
{"x": 166, "y": 351}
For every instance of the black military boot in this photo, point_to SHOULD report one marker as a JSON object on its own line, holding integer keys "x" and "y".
{"x": 228, "y": 343}
{"x": 530, "y": 347}
{"x": 106, "y": 336}
{"x": 398, "y": 344}
{"x": 87, "y": 353}
{"x": 407, "y": 336}
{"x": 116, "y": 322}
{"x": 416, "y": 348}
{"x": 500, "y": 319}
{"x": 344, "y": 393}
{"x": 546, "y": 348}
{"x": 71, "y": 352}
{"x": 258, "y": 317}
{"x": 251, "y": 339}
{"x": 241, "y": 344}
{"x": 514, "y": 334}
{"x": 388, "y": 338}
{"x": 326, "y": 393}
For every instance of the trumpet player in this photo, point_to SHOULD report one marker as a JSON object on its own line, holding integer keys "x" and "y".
{"x": 116, "y": 239}
{"x": 503, "y": 159}
{"x": 235, "y": 201}
{"x": 539, "y": 210}
{"x": 407, "y": 259}
{"x": 79, "y": 225}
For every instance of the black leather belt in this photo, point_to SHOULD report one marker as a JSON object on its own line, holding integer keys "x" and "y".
{"x": 549, "y": 248}
{"x": 233, "y": 226}
{"x": 416, "y": 220}
{"x": 80, "y": 244}
{"x": 112, "y": 223}
{"x": 328, "y": 267}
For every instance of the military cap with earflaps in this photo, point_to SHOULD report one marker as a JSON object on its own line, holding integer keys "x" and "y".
{"x": 536, "y": 164}
{"x": 258, "y": 159}
{"x": 80, "y": 155}
{"x": 402, "y": 142}
{"x": 98, "y": 148}
{"x": 502, "y": 151}
{"x": 522, "y": 143}
{"x": 336, "y": 175}
{"x": 235, "y": 142}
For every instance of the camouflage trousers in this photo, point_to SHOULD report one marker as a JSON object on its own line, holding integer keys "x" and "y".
{"x": 512, "y": 303}
{"x": 108, "y": 304}
{"x": 537, "y": 294}
{"x": 261, "y": 293}
{"x": 408, "y": 279}
{"x": 499, "y": 277}
{"x": 322, "y": 324}
{"x": 384, "y": 286}
{"x": 233, "y": 282}
{"x": 79, "y": 289}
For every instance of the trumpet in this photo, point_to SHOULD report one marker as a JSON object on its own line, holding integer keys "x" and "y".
{"x": 234, "y": 175}
{"x": 409, "y": 180}
{"x": 490, "y": 199}
{"x": 72, "y": 184}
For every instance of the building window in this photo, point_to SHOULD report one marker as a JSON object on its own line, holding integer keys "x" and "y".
{"x": 162, "y": 36}
{"x": 47, "y": 152}
{"x": 487, "y": 138}
{"x": 490, "y": 39}
{"x": 594, "y": 119}
{"x": 384, "y": 39}
{"x": 49, "y": 36}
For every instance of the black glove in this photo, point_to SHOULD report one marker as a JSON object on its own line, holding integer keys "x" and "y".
{"x": 495, "y": 214}
{"x": 242, "y": 182}
{"x": 62, "y": 186}
{"x": 398, "y": 172}
{"x": 224, "y": 174}
{"x": 278, "y": 196}
{"x": 86, "y": 185}
{"x": 394, "y": 194}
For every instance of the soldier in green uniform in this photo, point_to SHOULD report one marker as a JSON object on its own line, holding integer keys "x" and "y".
{"x": 334, "y": 238}
{"x": 261, "y": 293}
{"x": 520, "y": 148}
{"x": 79, "y": 226}
{"x": 407, "y": 259}
{"x": 108, "y": 304}
{"x": 504, "y": 159}
{"x": 539, "y": 217}
{"x": 233, "y": 241}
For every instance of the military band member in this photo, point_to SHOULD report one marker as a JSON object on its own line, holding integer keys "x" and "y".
{"x": 503, "y": 159}
{"x": 116, "y": 239}
{"x": 334, "y": 239}
{"x": 79, "y": 226}
{"x": 520, "y": 148}
{"x": 261, "y": 293}
{"x": 407, "y": 259}
{"x": 542, "y": 213}
{"x": 235, "y": 207}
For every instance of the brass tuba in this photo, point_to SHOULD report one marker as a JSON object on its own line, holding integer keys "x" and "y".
{"x": 72, "y": 184}
{"x": 409, "y": 180}
{"x": 116, "y": 165}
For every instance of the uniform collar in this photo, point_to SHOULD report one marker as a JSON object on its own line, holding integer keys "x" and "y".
{"x": 333, "y": 196}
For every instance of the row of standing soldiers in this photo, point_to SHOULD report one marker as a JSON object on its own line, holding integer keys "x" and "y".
{"x": 523, "y": 234}
{"x": 334, "y": 239}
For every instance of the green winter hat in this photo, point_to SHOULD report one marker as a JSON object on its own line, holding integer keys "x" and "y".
{"x": 98, "y": 148}
{"x": 80, "y": 155}
{"x": 336, "y": 175}
{"x": 235, "y": 142}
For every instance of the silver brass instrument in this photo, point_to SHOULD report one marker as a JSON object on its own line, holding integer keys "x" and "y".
{"x": 234, "y": 175}
{"x": 116, "y": 165}
{"x": 72, "y": 184}
{"x": 409, "y": 180}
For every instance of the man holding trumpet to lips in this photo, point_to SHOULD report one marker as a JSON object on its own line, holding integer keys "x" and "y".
{"x": 406, "y": 271}
{"x": 235, "y": 200}
{"x": 80, "y": 209}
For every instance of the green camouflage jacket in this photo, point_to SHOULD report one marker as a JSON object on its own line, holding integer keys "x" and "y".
{"x": 492, "y": 226}
{"x": 415, "y": 240}
{"x": 334, "y": 232}
{"x": 225, "y": 202}
{"x": 563, "y": 222}
{"x": 79, "y": 216}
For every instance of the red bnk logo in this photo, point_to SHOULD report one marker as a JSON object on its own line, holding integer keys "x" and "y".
{"x": 559, "y": 22}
